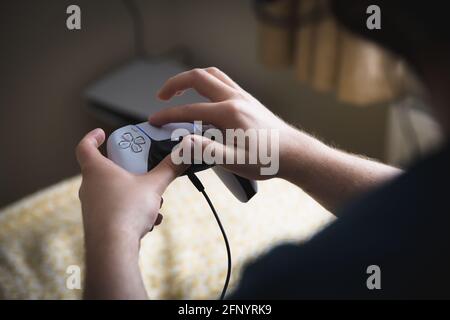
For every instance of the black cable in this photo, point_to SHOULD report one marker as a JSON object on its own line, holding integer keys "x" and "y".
{"x": 198, "y": 184}
{"x": 227, "y": 245}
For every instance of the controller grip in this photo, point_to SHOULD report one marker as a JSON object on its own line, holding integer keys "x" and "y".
{"x": 242, "y": 188}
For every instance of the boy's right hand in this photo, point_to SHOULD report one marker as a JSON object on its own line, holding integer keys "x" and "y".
{"x": 230, "y": 107}
{"x": 330, "y": 176}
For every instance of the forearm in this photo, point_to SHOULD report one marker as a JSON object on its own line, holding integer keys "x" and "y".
{"x": 112, "y": 269}
{"x": 329, "y": 175}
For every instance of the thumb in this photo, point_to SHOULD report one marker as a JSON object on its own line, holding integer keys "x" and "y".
{"x": 164, "y": 173}
{"x": 87, "y": 150}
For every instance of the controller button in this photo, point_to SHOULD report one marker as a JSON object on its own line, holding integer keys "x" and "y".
{"x": 128, "y": 141}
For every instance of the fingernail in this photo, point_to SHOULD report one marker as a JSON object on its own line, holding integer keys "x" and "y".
{"x": 96, "y": 131}
{"x": 158, "y": 95}
{"x": 97, "y": 134}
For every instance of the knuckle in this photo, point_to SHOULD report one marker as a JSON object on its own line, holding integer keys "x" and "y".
{"x": 241, "y": 94}
{"x": 187, "y": 141}
{"x": 213, "y": 70}
{"x": 198, "y": 73}
{"x": 234, "y": 107}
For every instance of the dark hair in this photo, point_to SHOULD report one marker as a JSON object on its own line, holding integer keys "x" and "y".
{"x": 407, "y": 27}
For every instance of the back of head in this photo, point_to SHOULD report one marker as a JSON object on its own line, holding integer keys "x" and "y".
{"x": 415, "y": 30}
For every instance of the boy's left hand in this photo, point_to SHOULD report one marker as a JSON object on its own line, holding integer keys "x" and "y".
{"x": 116, "y": 203}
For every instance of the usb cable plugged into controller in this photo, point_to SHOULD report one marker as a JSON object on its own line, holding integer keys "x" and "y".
{"x": 199, "y": 185}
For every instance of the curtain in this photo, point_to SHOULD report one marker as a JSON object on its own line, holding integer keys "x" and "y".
{"x": 304, "y": 35}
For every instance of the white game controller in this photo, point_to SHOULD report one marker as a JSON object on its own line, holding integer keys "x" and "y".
{"x": 139, "y": 148}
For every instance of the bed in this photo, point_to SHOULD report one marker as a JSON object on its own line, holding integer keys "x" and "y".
{"x": 41, "y": 237}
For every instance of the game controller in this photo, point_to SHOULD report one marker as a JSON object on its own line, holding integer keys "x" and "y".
{"x": 139, "y": 148}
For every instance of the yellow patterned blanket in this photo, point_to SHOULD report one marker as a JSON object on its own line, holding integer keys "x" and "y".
{"x": 41, "y": 236}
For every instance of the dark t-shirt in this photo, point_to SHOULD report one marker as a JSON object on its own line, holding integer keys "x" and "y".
{"x": 403, "y": 228}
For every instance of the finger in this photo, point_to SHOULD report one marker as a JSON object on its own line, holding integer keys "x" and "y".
{"x": 214, "y": 152}
{"x": 203, "y": 82}
{"x": 222, "y": 76}
{"x": 87, "y": 150}
{"x": 159, "y": 219}
{"x": 164, "y": 173}
{"x": 211, "y": 113}
{"x": 215, "y": 149}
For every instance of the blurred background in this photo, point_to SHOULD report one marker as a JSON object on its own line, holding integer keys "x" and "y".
{"x": 305, "y": 72}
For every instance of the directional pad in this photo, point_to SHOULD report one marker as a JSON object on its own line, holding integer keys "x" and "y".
{"x": 129, "y": 141}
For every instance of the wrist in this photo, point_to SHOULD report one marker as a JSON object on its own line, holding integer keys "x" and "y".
{"x": 112, "y": 265}
{"x": 109, "y": 234}
{"x": 299, "y": 155}
{"x": 289, "y": 153}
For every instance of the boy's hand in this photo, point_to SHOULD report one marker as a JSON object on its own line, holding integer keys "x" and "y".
{"x": 230, "y": 106}
{"x": 119, "y": 208}
{"x": 115, "y": 202}
{"x": 327, "y": 174}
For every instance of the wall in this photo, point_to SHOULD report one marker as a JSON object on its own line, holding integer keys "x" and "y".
{"x": 44, "y": 69}
{"x": 225, "y": 34}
